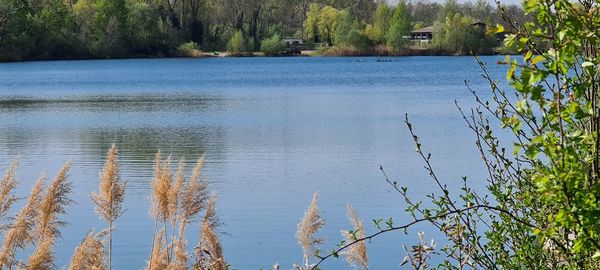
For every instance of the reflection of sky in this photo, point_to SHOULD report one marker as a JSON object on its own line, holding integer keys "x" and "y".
{"x": 274, "y": 131}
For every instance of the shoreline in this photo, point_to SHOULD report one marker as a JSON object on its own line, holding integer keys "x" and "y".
{"x": 225, "y": 54}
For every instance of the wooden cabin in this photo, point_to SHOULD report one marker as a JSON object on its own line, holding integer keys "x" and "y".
{"x": 289, "y": 42}
{"x": 294, "y": 46}
{"x": 422, "y": 34}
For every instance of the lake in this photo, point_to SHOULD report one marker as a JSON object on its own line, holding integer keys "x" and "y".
{"x": 274, "y": 131}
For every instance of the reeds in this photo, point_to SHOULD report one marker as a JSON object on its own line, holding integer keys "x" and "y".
{"x": 209, "y": 253}
{"x": 89, "y": 255}
{"x": 192, "y": 199}
{"x": 109, "y": 198}
{"x": 7, "y": 187}
{"x": 177, "y": 202}
{"x": 160, "y": 209}
{"x": 52, "y": 205}
{"x": 21, "y": 232}
{"x": 161, "y": 188}
{"x": 158, "y": 259}
{"x": 356, "y": 254}
{"x": 307, "y": 231}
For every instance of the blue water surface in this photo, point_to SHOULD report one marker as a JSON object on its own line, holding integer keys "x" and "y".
{"x": 274, "y": 131}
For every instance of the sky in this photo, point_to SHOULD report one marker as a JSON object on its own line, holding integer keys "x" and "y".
{"x": 508, "y": 2}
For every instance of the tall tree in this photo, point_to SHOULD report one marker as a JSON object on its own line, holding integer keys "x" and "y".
{"x": 381, "y": 23}
{"x": 400, "y": 27}
{"x": 311, "y": 25}
{"x": 328, "y": 18}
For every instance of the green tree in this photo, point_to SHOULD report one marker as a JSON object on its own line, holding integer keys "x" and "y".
{"x": 459, "y": 35}
{"x": 237, "y": 44}
{"x": 449, "y": 8}
{"x": 381, "y": 23}
{"x": 144, "y": 32}
{"x": 350, "y": 33}
{"x": 311, "y": 28}
{"x": 400, "y": 26}
{"x": 327, "y": 22}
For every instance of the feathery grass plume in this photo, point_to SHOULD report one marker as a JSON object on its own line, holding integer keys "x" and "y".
{"x": 181, "y": 257}
{"x": 109, "y": 199}
{"x": 7, "y": 187}
{"x": 209, "y": 253}
{"x": 174, "y": 191}
{"x": 210, "y": 217}
{"x": 161, "y": 188}
{"x": 356, "y": 255}
{"x": 192, "y": 199}
{"x": 54, "y": 203}
{"x": 43, "y": 256}
{"x": 307, "y": 230}
{"x": 21, "y": 232}
{"x": 175, "y": 204}
{"x": 51, "y": 207}
{"x": 89, "y": 255}
{"x": 194, "y": 195}
{"x": 158, "y": 259}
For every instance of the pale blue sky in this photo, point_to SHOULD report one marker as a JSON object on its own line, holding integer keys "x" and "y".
{"x": 508, "y": 2}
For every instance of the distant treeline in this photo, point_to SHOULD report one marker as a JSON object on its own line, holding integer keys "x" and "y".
{"x": 64, "y": 29}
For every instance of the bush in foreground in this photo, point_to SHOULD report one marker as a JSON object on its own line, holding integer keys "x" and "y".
{"x": 541, "y": 209}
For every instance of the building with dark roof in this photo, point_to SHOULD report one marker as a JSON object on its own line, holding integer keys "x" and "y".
{"x": 425, "y": 33}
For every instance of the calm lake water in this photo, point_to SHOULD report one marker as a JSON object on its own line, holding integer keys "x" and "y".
{"x": 274, "y": 130}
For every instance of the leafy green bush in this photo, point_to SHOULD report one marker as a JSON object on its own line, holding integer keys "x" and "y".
{"x": 272, "y": 45}
{"x": 237, "y": 44}
{"x": 188, "y": 49}
{"x": 541, "y": 209}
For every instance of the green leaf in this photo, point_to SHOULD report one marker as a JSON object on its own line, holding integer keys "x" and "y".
{"x": 499, "y": 28}
{"x": 528, "y": 56}
{"x": 537, "y": 59}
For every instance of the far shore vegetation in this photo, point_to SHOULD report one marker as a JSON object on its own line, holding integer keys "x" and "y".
{"x": 90, "y": 29}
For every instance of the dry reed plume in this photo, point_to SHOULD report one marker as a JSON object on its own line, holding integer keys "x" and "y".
{"x": 21, "y": 232}
{"x": 162, "y": 189}
{"x": 7, "y": 186}
{"x": 89, "y": 255}
{"x": 52, "y": 205}
{"x": 307, "y": 230}
{"x": 192, "y": 198}
{"x": 356, "y": 255}
{"x": 43, "y": 256}
{"x": 175, "y": 211}
{"x": 176, "y": 202}
{"x": 158, "y": 259}
{"x": 210, "y": 217}
{"x": 109, "y": 199}
{"x": 209, "y": 251}
{"x": 181, "y": 255}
